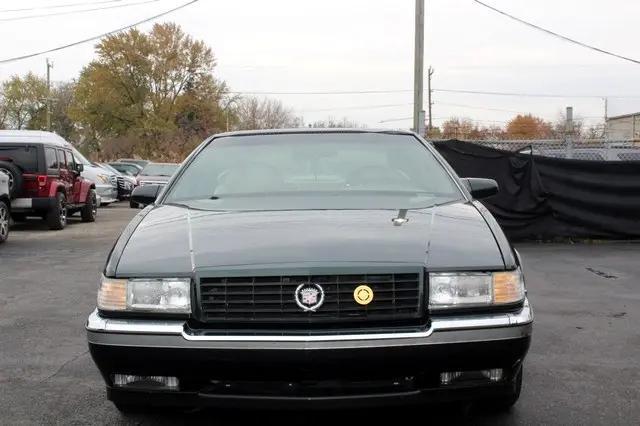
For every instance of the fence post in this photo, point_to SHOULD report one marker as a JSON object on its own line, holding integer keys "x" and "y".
{"x": 568, "y": 132}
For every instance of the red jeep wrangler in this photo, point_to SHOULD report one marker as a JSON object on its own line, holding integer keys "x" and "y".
{"x": 44, "y": 178}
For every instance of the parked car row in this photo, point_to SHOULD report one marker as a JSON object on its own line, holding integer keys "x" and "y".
{"x": 43, "y": 175}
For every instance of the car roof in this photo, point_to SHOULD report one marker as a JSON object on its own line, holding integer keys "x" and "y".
{"x": 124, "y": 163}
{"x": 311, "y": 130}
{"x": 162, "y": 164}
{"x": 33, "y": 136}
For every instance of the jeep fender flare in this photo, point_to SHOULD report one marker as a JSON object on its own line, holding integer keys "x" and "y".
{"x": 85, "y": 187}
{"x": 55, "y": 188}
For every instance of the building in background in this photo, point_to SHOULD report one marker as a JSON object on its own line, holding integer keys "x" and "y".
{"x": 624, "y": 127}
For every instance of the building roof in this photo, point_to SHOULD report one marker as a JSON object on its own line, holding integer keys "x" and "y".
{"x": 619, "y": 117}
{"x": 32, "y": 136}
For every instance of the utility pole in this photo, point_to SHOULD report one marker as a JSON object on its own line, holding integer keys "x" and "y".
{"x": 418, "y": 69}
{"x": 568, "y": 132}
{"x": 605, "y": 130}
{"x": 49, "y": 66}
{"x": 429, "y": 91}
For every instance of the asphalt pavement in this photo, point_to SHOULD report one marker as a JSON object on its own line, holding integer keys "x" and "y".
{"x": 583, "y": 366}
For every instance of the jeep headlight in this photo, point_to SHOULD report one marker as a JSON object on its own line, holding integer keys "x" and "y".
{"x": 475, "y": 289}
{"x": 166, "y": 295}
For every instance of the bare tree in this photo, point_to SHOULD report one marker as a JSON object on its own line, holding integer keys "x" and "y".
{"x": 330, "y": 122}
{"x": 254, "y": 113}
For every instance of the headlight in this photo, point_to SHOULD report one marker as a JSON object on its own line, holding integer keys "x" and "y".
{"x": 103, "y": 178}
{"x": 168, "y": 295}
{"x": 475, "y": 289}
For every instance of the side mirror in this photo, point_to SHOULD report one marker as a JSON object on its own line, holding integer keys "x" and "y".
{"x": 145, "y": 194}
{"x": 79, "y": 167}
{"x": 481, "y": 188}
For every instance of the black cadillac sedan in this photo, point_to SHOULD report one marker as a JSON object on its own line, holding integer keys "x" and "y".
{"x": 312, "y": 268}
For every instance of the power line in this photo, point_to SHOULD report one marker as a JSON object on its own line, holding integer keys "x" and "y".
{"x": 73, "y": 12}
{"x": 479, "y": 107}
{"x": 522, "y": 95}
{"x": 361, "y": 107}
{"x": 565, "y": 38}
{"x": 59, "y": 6}
{"x": 340, "y": 92}
{"x": 87, "y": 40}
{"x": 469, "y": 92}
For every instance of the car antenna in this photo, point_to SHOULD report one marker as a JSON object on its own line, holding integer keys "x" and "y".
{"x": 401, "y": 219}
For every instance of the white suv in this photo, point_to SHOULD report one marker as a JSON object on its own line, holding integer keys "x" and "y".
{"x": 106, "y": 181}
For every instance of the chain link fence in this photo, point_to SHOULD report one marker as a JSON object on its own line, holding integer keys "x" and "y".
{"x": 588, "y": 149}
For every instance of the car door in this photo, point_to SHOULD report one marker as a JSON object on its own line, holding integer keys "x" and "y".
{"x": 67, "y": 176}
{"x": 76, "y": 183}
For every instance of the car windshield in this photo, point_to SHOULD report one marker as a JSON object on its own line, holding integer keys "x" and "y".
{"x": 109, "y": 168}
{"x": 127, "y": 169}
{"x": 81, "y": 157}
{"x": 157, "y": 169}
{"x": 314, "y": 171}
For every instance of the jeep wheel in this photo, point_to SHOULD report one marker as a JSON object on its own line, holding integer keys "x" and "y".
{"x": 90, "y": 209}
{"x": 4, "y": 222}
{"x": 15, "y": 177}
{"x": 57, "y": 215}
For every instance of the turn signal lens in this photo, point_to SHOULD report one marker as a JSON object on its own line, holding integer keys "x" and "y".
{"x": 507, "y": 287}
{"x": 166, "y": 295}
{"x": 112, "y": 295}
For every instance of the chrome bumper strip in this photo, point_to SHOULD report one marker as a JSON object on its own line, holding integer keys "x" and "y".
{"x": 96, "y": 323}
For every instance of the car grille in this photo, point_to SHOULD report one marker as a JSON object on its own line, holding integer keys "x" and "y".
{"x": 123, "y": 184}
{"x": 397, "y": 296}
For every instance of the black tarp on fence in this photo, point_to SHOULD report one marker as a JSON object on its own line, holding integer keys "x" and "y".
{"x": 547, "y": 198}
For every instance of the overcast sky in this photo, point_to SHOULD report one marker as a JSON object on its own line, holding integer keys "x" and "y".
{"x": 347, "y": 45}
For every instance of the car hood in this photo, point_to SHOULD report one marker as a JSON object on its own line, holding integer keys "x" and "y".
{"x": 151, "y": 178}
{"x": 173, "y": 240}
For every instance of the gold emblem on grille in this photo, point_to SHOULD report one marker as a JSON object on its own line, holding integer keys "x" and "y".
{"x": 363, "y": 295}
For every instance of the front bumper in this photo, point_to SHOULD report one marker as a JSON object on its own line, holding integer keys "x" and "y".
{"x": 107, "y": 193}
{"x": 334, "y": 370}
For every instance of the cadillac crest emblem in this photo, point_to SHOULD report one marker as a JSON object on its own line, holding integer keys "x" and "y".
{"x": 309, "y": 296}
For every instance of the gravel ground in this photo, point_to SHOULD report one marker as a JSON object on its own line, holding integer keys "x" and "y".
{"x": 583, "y": 366}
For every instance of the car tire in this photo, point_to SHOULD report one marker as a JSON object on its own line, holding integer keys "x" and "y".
{"x": 57, "y": 216}
{"x": 126, "y": 409}
{"x": 133, "y": 205}
{"x": 15, "y": 177}
{"x": 5, "y": 215}
{"x": 90, "y": 209}
{"x": 504, "y": 403}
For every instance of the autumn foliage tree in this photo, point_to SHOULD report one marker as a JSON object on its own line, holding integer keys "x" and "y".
{"x": 460, "y": 128}
{"x": 529, "y": 127}
{"x": 149, "y": 94}
{"x": 23, "y": 102}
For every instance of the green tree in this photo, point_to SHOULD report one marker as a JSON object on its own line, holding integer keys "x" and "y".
{"x": 147, "y": 88}
{"x": 23, "y": 102}
{"x": 61, "y": 101}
